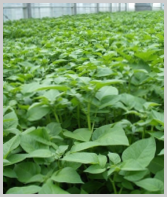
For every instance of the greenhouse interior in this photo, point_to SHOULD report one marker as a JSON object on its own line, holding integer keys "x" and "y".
{"x": 83, "y": 98}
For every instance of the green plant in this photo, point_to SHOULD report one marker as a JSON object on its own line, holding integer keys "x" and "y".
{"x": 83, "y": 104}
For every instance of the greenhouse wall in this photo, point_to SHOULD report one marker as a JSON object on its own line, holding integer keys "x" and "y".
{"x": 16, "y": 11}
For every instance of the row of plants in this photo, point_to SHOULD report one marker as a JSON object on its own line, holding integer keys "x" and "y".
{"x": 83, "y": 104}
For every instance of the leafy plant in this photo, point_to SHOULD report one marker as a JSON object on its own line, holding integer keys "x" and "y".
{"x": 83, "y": 104}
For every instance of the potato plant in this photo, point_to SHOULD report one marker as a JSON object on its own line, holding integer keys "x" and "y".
{"x": 83, "y": 104}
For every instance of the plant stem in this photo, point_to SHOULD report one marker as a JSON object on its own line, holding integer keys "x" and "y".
{"x": 93, "y": 123}
{"x": 56, "y": 116}
{"x": 152, "y": 128}
{"x": 120, "y": 191}
{"x": 78, "y": 116}
{"x": 113, "y": 184}
{"x": 48, "y": 118}
{"x": 129, "y": 81}
{"x": 143, "y": 134}
{"x": 88, "y": 117}
{"x": 60, "y": 118}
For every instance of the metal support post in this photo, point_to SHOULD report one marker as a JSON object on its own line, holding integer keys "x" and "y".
{"x": 110, "y": 7}
{"x": 25, "y": 14}
{"x": 162, "y": 6}
{"x": 51, "y": 10}
{"x": 119, "y": 7}
{"x": 29, "y": 10}
{"x": 97, "y": 7}
{"x": 126, "y": 7}
{"x": 75, "y": 8}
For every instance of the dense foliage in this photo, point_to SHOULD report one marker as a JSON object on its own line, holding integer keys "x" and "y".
{"x": 83, "y": 104}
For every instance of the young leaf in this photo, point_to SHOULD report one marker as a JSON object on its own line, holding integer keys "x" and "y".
{"x": 136, "y": 176}
{"x": 82, "y": 134}
{"x": 66, "y": 175}
{"x": 26, "y": 170}
{"x": 10, "y": 120}
{"x": 40, "y": 153}
{"x": 15, "y": 158}
{"x": 160, "y": 175}
{"x": 114, "y": 158}
{"x": 102, "y": 160}
{"x": 151, "y": 184}
{"x": 142, "y": 151}
{"x": 37, "y": 111}
{"x": 95, "y": 169}
{"x": 82, "y": 157}
{"x": 10, "y": 145}
{"x": 31, "y": 189}
{"x": 106, "y": 91}
{"x": 50, "y": 188}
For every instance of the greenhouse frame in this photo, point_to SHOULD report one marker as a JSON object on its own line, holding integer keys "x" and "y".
{"x": 14, "y": 11}
{"x": 83, "y": 98}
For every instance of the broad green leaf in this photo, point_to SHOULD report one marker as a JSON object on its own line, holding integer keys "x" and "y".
{"x": 15, "y": 158}
{"x": 52, "y": 87}
{"x": 158, "y": 117}
{"x": 10, "y": 120}
{"x": 131, "y": 165}
{"x": 82, "y": 157}
{"x": 83, "y": 191}
{"x": 61, "y": 150}
{"x": 10, "y": 145}
{"x": 71, "y": 164}
{"x": 29, "y": 88}
{"x": 8, "y": 172}
{"x": 102, "y": 160}
{"x": 101, "y": 72}
{"x": 114, "y": 158}
{"x": 50, "y": 188}
{"x": 148, "y": 105}
{"x": 6, "y": 162}
{"x": 40, "y": 153}
{"x": 31, "y": 189}
{"x": 95, "y": 169}
{"x": 37, "y": 111}
{"x": 82, "y": 134}
{"x": 84, "y": 146}
{"x": 51, "y": 95}
{"x": 109, "y": 137}
{"x": 13, "y": 131}
{"x": 108, "y": 101}
{"x": 160, "y": 175}
{"x": 139, "y": 78}
{"x": 141, "y": 65}
{"x": 156, "y": 164}
{"x": 54, "y": 128}
{"x": 142, "y": 151}
{"x": 158, "y": 135}
{"x": 37, "y": 178}
{"x": 99, "y": 84}
{"x": 127, "y": 185}
{"x": 26, "y": 64}
{"x": 113, "y": 136}
{"x": 136, "y": 176}
{"x": 132, "y": 102}
{"x": 151, "y": 184}
{"x": 40, "y": 135}
{"x": 26, "y": 170}
{"x": 67, "y": 175}
{"x": 106, "y": 91}
{"x": 161, "y": 152}
{"x": 99, "y": 131}
{"x": 111, "y": 171}
{"x": 30, "y": 144}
